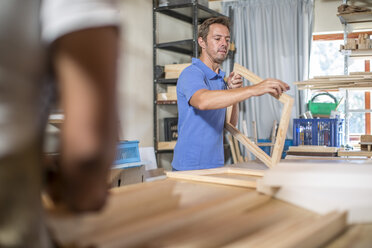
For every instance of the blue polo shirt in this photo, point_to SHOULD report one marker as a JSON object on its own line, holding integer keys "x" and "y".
{"x": 200, "y": 132}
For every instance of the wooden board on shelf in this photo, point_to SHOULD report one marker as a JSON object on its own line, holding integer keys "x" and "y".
{"x": 343, "y": 153}
{"x": 310, "y": 148}
{"x": 174, "y": 70}
{"x": 166, "y": 145}
{"x": 282, "y": 129}
{"x": 169, "y": 96}
{"x": 225, "y": 175}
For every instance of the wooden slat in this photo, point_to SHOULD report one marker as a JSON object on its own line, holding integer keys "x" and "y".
{"x": 305, "y": 233}
{"x": 166, "y": 145}
{"x": 141, "y": 232}
{"x": 308, "y": 148}
{"x": 213, "y": 179}
{"x": 252, "y": 147}
{"x": 232, "y": 148}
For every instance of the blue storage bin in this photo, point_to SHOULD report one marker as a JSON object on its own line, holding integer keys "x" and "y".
{"x": 318, "y": 132}
{"x": 127, "y": 152}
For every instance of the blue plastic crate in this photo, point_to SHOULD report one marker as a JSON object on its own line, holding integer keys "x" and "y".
{"x": 127, "y": 152}
{"x": 318, "y": 132}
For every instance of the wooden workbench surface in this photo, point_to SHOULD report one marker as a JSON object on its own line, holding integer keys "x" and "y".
{"x": 173, "y": 212}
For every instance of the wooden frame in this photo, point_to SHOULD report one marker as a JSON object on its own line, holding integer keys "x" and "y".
{"x": 282, "y": 129}
{"x": 224, "y": 175}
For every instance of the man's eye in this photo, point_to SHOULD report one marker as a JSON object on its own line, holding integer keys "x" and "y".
{"x": 217, "y": 38}
{"x": 227, "y": 40}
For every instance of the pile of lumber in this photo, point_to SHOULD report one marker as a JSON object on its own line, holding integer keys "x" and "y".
{"x": 347, "y": 9}
{"x": 363, "y": 42}
{"x": 354, "y": 80}
{"x": 308, "y": 150}
{"x": 174, "y": 70}
{"x": 365, "y": 142}
{"x": 170, "y": 95}
{"x": 323, "y": 187}
{"x": 154, "y": 215}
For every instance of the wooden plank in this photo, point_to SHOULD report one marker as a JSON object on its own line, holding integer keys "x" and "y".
{"x": 303, "y": 148}
{"x": 175, "y": 67}
{"x": 355, "y": 236}
{"x": 122, "y": 208}
{"x": 213, "y": 179}
{"x": 309, "y": 148}
{"x": 166, "y": 96}
{"x": 166, "y": 145}
{"x": 232, "y": 148}
{"x": 143, "y": 231}
{"x": 252, "y": 147}
{"x": 308, "y": 232}
{"x": 174, "y": 70}
{"x": 343, "y": 153}
{"x": 225, "y": 228}
{"x": 237, "y": 150}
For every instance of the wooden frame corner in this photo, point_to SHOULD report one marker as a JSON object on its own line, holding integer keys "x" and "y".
{"x": 283, "y": 124}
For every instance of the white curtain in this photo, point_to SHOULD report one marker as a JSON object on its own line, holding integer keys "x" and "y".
{"x": 273, "y": 39}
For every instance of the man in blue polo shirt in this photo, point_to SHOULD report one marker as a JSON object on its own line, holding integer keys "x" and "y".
{"x": 203, "y": 95}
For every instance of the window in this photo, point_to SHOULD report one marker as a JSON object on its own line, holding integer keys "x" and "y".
{"x": 326, "y": 59}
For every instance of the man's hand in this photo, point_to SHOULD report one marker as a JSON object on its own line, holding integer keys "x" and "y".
{"x": 234, "y": 81}
{"x": 270, "y": 85}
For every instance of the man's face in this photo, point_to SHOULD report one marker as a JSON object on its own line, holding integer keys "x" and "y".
{"x": 218, "y": 43}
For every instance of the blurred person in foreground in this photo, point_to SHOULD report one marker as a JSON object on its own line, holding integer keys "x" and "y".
{"x": 78, "y": 41}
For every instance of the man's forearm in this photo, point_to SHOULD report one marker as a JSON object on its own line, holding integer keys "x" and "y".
{"x": 217, "y": 99}
{"x": 85, "y": 63}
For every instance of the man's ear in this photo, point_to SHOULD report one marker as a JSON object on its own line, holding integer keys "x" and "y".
{"x": 201, "y": 42}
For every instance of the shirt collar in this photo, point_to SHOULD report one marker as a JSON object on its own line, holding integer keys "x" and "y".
{"x": 208, "y": 71}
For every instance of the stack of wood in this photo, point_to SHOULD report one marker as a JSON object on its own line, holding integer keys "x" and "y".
{"x": 363, "y": 42}
{"x": 323, "y": 187}
{"x": 347, "y": 9}
{"x": 366, "y": 142}
{"x": 308, "y": 150}
{"x": 156, "y": 215}
{"x": 174, "y": 70}
{"x": 170, "y": 95}
{"x": 354, "y": 80}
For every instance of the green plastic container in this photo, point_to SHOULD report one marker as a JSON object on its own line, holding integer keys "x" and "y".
{"x": 322, "y": 108}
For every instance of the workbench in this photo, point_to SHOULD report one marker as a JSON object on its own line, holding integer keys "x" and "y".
{"x": 173, "y": 212}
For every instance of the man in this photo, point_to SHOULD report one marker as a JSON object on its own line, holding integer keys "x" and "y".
{"x": 202, "y": 98}
{"x": 81, "y": 38}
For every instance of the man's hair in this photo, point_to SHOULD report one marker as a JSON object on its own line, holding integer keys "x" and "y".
{"x": 204, "y": 27}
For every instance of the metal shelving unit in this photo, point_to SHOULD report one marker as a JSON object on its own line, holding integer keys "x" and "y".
{"x": 349, "y": 19}
{"x": 193, "y": 13}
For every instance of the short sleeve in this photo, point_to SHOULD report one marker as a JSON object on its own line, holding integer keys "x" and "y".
{"x": 190, "y": 81}
{"x": 60, "y": 17}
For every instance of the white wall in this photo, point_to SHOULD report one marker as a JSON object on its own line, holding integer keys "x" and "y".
{"x": 326, "y": 19}
{"x": 135, "y": 91}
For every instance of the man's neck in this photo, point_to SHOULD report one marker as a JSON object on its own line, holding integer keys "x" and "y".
{"x": 208, "y": 61}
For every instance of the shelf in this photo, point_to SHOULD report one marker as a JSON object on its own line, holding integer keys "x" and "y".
{"x": 184, "y": 12}
{"x": 166, "y": 81}
{"x": 182, "y": 46}
{"x": 166, "y": 102}
{"x": 357, "y": 17}
{"x": 358, "y": 53}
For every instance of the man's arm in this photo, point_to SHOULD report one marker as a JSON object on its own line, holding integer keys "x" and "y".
{"x": 85, "y": 64}
{"x": 216, "y": 99}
